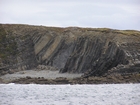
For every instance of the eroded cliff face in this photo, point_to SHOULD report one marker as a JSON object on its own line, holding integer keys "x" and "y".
{"x": 74, "y": 50}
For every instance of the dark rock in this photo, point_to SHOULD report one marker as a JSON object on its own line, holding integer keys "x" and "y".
{"x": 73, "y": 50}
{"x": 28, "y": 77}
{"x": 61, "y": 80}
{"x": 10, "y": 72}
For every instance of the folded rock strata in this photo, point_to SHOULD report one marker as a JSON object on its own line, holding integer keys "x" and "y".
{"x": 93, "y": 51}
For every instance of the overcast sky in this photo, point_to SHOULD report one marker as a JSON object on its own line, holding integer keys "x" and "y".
{"x": 116, "y": 14}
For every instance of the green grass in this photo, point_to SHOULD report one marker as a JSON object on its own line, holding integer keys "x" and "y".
{"x": 8, "y": 45}
{"x": 129, "y": 32}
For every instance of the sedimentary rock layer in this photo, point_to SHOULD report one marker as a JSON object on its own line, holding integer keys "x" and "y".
{"x": 93, "y": 51}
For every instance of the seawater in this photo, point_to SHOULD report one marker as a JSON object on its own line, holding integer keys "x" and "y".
{"x": 104, "y": 94}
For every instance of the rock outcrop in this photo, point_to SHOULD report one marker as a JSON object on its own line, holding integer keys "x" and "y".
{"x": 93, "y": 51}
{"x": 135, "y": 78}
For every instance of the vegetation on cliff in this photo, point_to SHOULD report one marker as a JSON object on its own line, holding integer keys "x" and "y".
{"x": 8, "y": 46}
{"x": 93, "y": 51}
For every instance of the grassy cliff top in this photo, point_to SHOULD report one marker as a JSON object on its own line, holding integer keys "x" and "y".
{"x": 23, "y": 27}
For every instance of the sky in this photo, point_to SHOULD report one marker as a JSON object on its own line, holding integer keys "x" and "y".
{"x": 115, "y": 14}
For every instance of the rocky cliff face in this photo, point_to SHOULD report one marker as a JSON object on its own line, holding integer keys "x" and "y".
{"x": 74, "y": 50}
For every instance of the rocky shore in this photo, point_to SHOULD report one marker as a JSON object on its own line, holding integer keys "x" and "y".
{"x": 91, "y": 80}
{"x": 100, "y": 55}
{"x": 54, "y": 77}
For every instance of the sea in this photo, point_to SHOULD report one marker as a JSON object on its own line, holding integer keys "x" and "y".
{"x": 101, "y": 94}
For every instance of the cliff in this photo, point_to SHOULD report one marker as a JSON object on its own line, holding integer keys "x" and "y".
{"x": 92, "y": 51}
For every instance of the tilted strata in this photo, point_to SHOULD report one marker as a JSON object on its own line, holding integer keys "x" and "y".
{"x": 93, "y": 51}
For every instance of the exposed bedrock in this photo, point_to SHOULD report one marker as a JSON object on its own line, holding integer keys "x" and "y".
{"x": 93, "y": 52}
{"x": 94, "y": 56}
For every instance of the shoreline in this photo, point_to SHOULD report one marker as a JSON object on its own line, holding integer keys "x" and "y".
{"x": 37, "y": 73}
{"x": 54, "y": 78}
